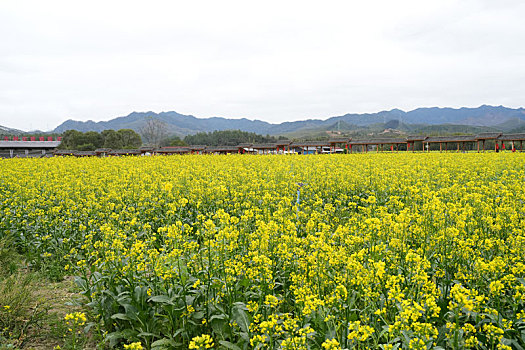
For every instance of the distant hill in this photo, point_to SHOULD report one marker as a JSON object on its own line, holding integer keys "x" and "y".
{"x": 494, "y": 117}
{"x": 177, "y": 123}
{"x": 9, "y": 131}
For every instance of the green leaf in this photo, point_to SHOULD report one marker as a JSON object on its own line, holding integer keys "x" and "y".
{"x": 114, "y": 337}
{"x": 123, "y": 298}
{"x": 141, "y": 293}
{"x": 146, "y": 334}
{"x": 177, "y": 332}
{"x": 120, "y": 317}
{"x": 189, "y": 299}
{"x": 512, "y": 342}
{"x": 244, "y": 282}
{"x": 241, "y": 317}
{"x": 245, "y": 336}
{"x": 229, "y": 345}
{"x": 163, "y": 299}
{"x": 79, "y": 281}
{"x": 219, "y": 325}
{"x": 164, "y": 343}
{"x": 198, "y": 315}
{"x": 240, "y": 305}
{"x": 131, "y": 311}
{"x": 218, "y": 317}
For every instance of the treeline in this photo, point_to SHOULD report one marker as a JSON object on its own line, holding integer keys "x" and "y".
{"x": 91, "y": 140}
{"x": 129, "y": 139}
{"x": 226, "y": 138}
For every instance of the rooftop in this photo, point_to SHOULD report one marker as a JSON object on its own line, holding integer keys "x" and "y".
{"x": 264, "y": 146}
{"x": 488, "y": 135}
{"x": 310, "y": 143}
{"x": 512, "y": 137}
{"x": 378, "y": 141}
{"x": 282, "y": 142}
{"x": 173, "y": 150}
{"x": 244, "y": 145}
{"x": 222, "y": 149}
{"x": 84, "y": 153}
{"x": 340, "y": 140}
{"x": 197, "y": 147}
{"x": 412, "y": 138}
{"x": 125, "y": 151}
{"x": 62, "y": 152}
{"x": 454, "y": 138}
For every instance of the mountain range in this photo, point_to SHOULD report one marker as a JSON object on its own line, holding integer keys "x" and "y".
{"x": 493, "y": 118}
{"x": 4, "y": 130}
{"x": 497, "y": 117}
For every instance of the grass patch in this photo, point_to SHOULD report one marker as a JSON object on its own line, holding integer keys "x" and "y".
{"x": 21, "y": 311}
{"x": 9, "y": 258}
{"x": 33, "y": 308}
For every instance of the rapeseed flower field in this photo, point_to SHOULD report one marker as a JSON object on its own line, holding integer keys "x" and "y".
{"x": 382, "y": 251}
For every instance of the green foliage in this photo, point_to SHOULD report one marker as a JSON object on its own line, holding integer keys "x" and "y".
{"x": 70, "y": 139}
{"x": 88, "y": 141}
{"x": 175, "y": 141}
{"x": 112, "y": 139}
{"x": 91, "y": 140}
{"x": 519, "y": 129}
{"x": 227, "y": 138}
{"x": 129, "y": 138}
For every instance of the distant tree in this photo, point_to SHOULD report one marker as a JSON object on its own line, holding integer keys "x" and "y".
{"x": 112, "y": 139}
{"x": 154, "y": 131}
{"x": 92, "y": 138}
{"x": 70, "y": 139}
{"x": 175, "y": 141}
{"x": 89, "y": 141}
{"x": 129, "y": 138}
{"x": 227, "y": 138}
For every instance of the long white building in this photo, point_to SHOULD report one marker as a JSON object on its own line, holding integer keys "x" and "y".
{"x": 25, "y": 149}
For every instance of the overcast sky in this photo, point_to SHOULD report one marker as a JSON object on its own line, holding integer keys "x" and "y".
{"x": 270, "y": 60}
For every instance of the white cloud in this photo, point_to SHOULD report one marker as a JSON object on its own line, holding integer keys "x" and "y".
{"x": 270, "y": 60}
